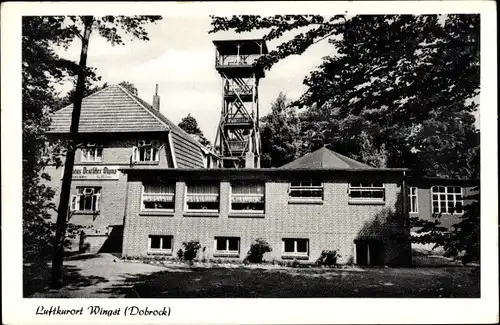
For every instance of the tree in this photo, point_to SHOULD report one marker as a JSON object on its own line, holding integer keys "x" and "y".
{"x": 399, "y": 90}
{"x": 40, "y": 68}
{"x": 82, "y": 27}
{"x": 190, "y": 125}
{"x": 280, "y": 134}
{"x": 130, "y": 87}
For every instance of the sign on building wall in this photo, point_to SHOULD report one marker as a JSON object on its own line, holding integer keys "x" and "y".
{"x": 95, "y": 172}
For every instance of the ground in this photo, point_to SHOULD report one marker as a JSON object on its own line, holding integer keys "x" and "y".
{"x": 105, "y": 275}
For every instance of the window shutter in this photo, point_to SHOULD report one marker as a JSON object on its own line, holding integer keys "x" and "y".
{"x": 74, "y": 202}
{"x": 98, "y": 202}
{"x": 157, "y": 154}
{"x": 135, "y": 154}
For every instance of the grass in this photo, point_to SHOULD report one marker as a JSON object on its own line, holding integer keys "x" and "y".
{"x": 105, "y": 277}
{"x": 283, "y": 283}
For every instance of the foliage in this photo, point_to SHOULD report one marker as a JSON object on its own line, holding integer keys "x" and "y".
{"x": 328, "y": 258}
{"x": 130, "y": 87}
{"x": 257, "y": 250}
{"x": 280, "y": 134}
{"x": 319, "y": 28}
{"x": 41, "y": 67}
{"x": 428, "y": 231}
{"x": 465, "y": 237}
{"x": 398, "y": 91}
{"x": 40, "y": 34}
{"x": 190, "y": 125}
{"x": 180, "y": 254}
{"x": 190, "y": 249}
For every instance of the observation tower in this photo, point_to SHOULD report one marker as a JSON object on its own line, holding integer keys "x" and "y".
{"x": 238, "y": 140}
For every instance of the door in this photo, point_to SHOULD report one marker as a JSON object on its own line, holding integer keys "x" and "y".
{"x": 369, "y": 252}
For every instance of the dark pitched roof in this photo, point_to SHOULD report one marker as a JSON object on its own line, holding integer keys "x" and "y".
{"x": 325, "y": 158}
{"x": 114, "y": 109}
{"x": 110, "y": 110}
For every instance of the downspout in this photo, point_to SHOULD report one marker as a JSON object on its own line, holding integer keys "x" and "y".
{"x": 406, "y": 214}
{"x": 125, "y": 211}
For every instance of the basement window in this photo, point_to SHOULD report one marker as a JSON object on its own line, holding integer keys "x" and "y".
{"x": 227, "y": 246}
{"x": 160, "y": 244}
{"x": 295, "y": 248}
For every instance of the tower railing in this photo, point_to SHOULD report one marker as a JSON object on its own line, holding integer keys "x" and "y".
{"x": 237, "y": 145}
{"x": 235, "y": 60}
{"x": 238, "y": 118}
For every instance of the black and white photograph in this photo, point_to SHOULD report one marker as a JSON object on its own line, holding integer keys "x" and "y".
{"x": 234, "y": 153}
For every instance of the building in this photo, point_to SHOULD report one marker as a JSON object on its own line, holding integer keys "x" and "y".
{"x": 141, "y": 185}
{"x": 444, "y": 199}
{"x": 238, "y": 137}
{"x": 117, "y": 130}
{"x": 321, "y": 201}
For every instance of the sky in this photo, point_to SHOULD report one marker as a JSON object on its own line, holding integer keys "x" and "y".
{"x": 180, "y": 58}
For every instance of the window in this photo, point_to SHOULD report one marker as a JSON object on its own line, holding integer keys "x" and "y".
{"x": 295, "y": 247}
{"x": 247, "y": 197}
{"x": 91, "y": 153}
{"x": 87, "y": 199}
{"x": 227, "y": 246}
{"x": 158, "y": 197}
{"x": 413, "y": 199}
{"x": 447, "y": 199}
{"x": 160, "y": 244}
{"x": 307, "y": 190}
{"x": 146, "y": 151}
{"x": 367, "y": 191}
{"x": 203, "y": 197}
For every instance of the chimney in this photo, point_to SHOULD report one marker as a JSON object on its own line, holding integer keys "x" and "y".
{"x": 156, "y": 100}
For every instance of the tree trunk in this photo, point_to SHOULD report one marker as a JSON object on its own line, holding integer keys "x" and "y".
{"x": 62, "y": 211}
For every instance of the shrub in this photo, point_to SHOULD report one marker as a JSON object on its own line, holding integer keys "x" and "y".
{"x": 328, "y": 258}
{"x": 191, "y": 249}
{"x": 180, "y": 254}
{"x": 257, "y": 251}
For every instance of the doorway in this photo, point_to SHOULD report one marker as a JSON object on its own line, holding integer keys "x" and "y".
{"x": 369, "y": 252}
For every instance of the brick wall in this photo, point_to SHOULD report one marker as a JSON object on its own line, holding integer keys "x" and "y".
{"x": 334, "y": 224}
{"x": 117, "y": 151}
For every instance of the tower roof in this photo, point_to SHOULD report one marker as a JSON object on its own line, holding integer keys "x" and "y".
{"x": 325, "y": 158}
{"x": 247, "y": 46}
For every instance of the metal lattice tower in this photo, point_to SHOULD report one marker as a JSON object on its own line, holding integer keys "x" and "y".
{"x": 238, "y": 139}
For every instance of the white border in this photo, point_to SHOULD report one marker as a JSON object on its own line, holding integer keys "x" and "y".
{"x": 17, "y": 310}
